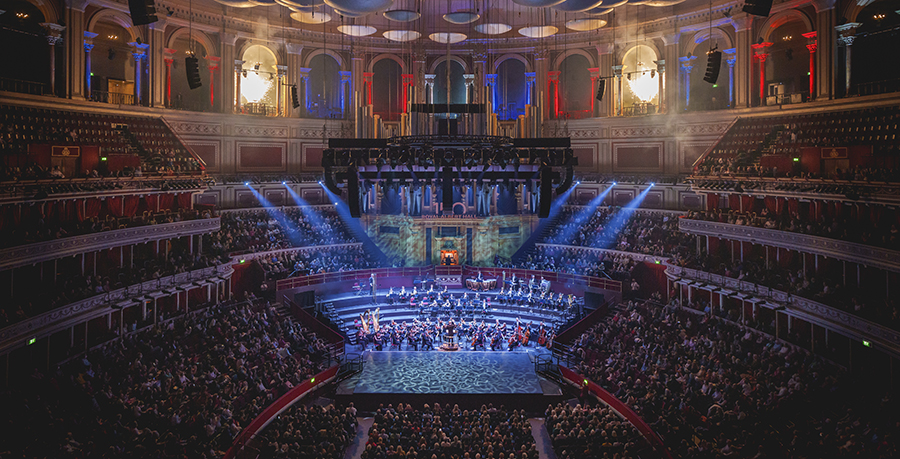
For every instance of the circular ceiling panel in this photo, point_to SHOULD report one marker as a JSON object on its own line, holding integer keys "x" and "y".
{"x": 577, "y": 6}
{"x": 304, "y": 4}
{"x": 263, "y": 2}
{"x": 638, "y": 2}
{"x": 493, "y": 28}
{"x": 402, "y": 15}
{"x": 237, "y": 3}
{"x": 612, "y": 3}
{"x": 401, "y": 35}
{"x": 311, "y": 17}
{"x": 538, "y": 3}
{"x": 360, "y": 6}
{"x": 598, "y": 11}
{"x": 461, "y": 17}
{"x": 356, "y": 30}
{"x": 348, "y": 14}
{"x": 663, "y": 2}
{"x": 538, "y": 31}
{"x": 444, "y": 37}
{"x": 583, "y": 25}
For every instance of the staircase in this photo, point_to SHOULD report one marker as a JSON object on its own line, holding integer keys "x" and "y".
{"x": 133, "y": 145}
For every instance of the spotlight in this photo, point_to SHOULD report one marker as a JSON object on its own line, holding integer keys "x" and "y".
{"x": 284, "y": 183}
{"x": 615, "y": 183}
{"x": 651, "y": 184}
{"x": 246, "y": 183}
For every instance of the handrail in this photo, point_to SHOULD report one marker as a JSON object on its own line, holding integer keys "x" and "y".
{"x": 16, "y": 335}
{"x": 579, "y": 327}
{"x": 23, "y": 255}
{"x": 15, "y": 191}
{"x": 633, "y": 255}
{"x": 239, "y": 257}
{"x": 323, "y": 331}
{"x": 811, "y": 311}
{"x": 279, "y": 406}
{"x": 712, "y": 147}
{"x": 442, "y": 271}
{"x": 867, "y": 255}
{"x": 622, "y": 409}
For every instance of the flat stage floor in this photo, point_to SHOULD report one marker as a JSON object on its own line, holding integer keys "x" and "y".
{"x": 465, "y": 378}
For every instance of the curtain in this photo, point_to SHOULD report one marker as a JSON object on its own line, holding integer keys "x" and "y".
{"x": 150, "y": 201}
{"x": 165, "y": 201}
{"x": 712, "y": 201}
{"x": 114, "y": 206}
{"x": 131, "y": 205}
{"x": 184, "y": 201}
{"x": 91, "y": 208}
{"x": 734, "y": 201}
{"x": 746, "y": 203}
{"x": 771, "y": 203}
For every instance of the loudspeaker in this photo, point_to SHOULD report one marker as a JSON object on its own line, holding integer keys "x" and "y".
{"x": 447, "y": 188}
{"x": 353, "y": 191}
{"x": 192, "y": 67}
{"x": 713, "y": 63}
{"x": 546, "y": 192}
{"x": 142, "y": 12}
{"x": 758, "y": 7}
{"x": 601, "y": 86}
{"x": 294, "y": 99}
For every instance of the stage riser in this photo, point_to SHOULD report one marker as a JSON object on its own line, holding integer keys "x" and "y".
{"x": 531, "y": 403}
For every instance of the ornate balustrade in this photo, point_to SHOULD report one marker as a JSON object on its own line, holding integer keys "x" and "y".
{"x": 875, "y": 192}
{"x": 59, "y": 319}
{"x": 243, "y": 257}
{"x": 18, "y": 191}
{"x": 633, "y": 255}
{"x": 833, "y": 248}
{"x": 24, "y": 255}
{"x": 811, "y": 311}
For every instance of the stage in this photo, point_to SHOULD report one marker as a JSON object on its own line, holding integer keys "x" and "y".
{"x": 467, "y": 378}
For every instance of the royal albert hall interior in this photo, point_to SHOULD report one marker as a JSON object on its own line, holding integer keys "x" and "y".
{"x": 449, "y": 229}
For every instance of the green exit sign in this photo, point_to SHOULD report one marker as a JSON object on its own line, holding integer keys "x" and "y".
{"x": 32, "y": 341}
{"x": 867, "y": 343}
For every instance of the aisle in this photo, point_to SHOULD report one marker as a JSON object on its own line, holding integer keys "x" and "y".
{"x": 358, "y": 445}
{"x": 542, "y": 439}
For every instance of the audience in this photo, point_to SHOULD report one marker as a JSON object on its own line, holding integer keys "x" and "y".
{"x": 321, "y": 432}
{"x": 585, "y": 432}
{"x": 262, "y": 230}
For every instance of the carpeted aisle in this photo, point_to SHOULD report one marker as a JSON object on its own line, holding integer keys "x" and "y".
{"x": 542, "y": 439}
{"x": 355, "y": 449}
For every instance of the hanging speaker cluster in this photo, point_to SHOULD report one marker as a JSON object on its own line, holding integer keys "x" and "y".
{"x": 142, "y": 12}
{"x": 295, "y": 101}
{"x": 758, "y": 7}
{"x": 192, "y": 66}
{"x": 713, "y": 63}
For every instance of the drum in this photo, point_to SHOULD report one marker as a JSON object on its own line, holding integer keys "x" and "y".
{"x": 472, "y": 284}
{"x": 490, "y": 284}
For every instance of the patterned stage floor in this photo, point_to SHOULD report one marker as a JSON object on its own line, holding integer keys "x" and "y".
{"x": 435, "y": 372}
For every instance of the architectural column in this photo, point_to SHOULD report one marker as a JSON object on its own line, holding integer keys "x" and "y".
{"x": 346, "y": 80}
{"x": 730, "y": 59}
{"x": 357, "y": 64}
{"x": 743, "y": 66}
{"x": 238, "y": 73}
{"x": 480, "y": 61}
{"x": 368, "y": 77}
{"x": 661, "y": 73}
{"x": 468, "y": 81}
{"x": 542, "y": 66}
{"x": 617, "y": 90}
{"x": 553, "y": 92}
{"x": 155, "y": 60}
{"x": 418, "y": 72}
{"x": 760, "y": 54}
{"x": 846, "y": 35}
{"x": 54, "y": 38}
{"x": 74, "y": 43}
{"x": 169, "y": 59}
{"x": 687, "y": 64}
{"x": 227, "y": 82}
{"x": 811, "y": 45}
{"x": 213, "y": 64}
{"x": 429, "y": 88}
{"x": 408, "y": 80}
{"x": 491, "y": 87}
{"x": 595, "y": 76}
{"x": 673, "y": 75}
{"x": 88, "y": 46}
{"x": 605, "y": 57}
{"x": 529, "y": 88}
{"x": 306, "y": 102}
{"x": 825, "y": 49}
{"x": 139, "y": 54}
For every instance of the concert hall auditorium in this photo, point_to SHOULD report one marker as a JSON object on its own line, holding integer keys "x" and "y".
{"x": 449, "y": 229}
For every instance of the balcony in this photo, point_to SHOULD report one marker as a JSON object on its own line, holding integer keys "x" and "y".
{"x": 17, "y": 335}
{"x": 25, "y": 255}
{"x": 805, "y": 309}
{"x": 866, "y": 255}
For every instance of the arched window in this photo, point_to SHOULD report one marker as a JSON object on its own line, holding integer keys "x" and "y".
{"x": 706, "y": 96}
{"x": 787, "y": 66}
{"x": 387, "y": 89}
{"x": 575, "y": 87}
{"x": 182, "y": 96}
{"x": 457, "y": 83}
{"x": 258, "y": 80}
{"x": 324, "y": 93}
{"x": 511, "y": 87}
{"x": 29, "y": 59}
{"x": 112, "y": 64}
{"x": 876, "y": 38}
{"x": 641, "y": 81}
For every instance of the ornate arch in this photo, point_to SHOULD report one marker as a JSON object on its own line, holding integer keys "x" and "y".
{"x": 454, "y": 58}
{"x": 509, "y": 56}
{"x": 239, "y": 53}
{"x": 47, "y": 9}
{"x": 334, "y": 55}
{"x": 198, "y": 36}
{"x": 114, "y": 16}
{"x": 371, "y": 67}
{"x": 649, "y": 44}
{"x": 783, "y": 17}
{"x": 704, "y": 35}
{"x": 852, "y": 10}
{"x": 557, "y": 62}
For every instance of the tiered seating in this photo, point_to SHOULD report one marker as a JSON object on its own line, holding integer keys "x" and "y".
{"x": 159, "y": 149}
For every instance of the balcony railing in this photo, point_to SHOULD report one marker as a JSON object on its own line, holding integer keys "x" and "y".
{"x": 24, "y": 87}
{"x": 24, "y": 255}
{"x": 811, "y": 311}
{"x": 114, "y": 98}
{"x": 59, "y": 319}
{"x": 875, "y": 257}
